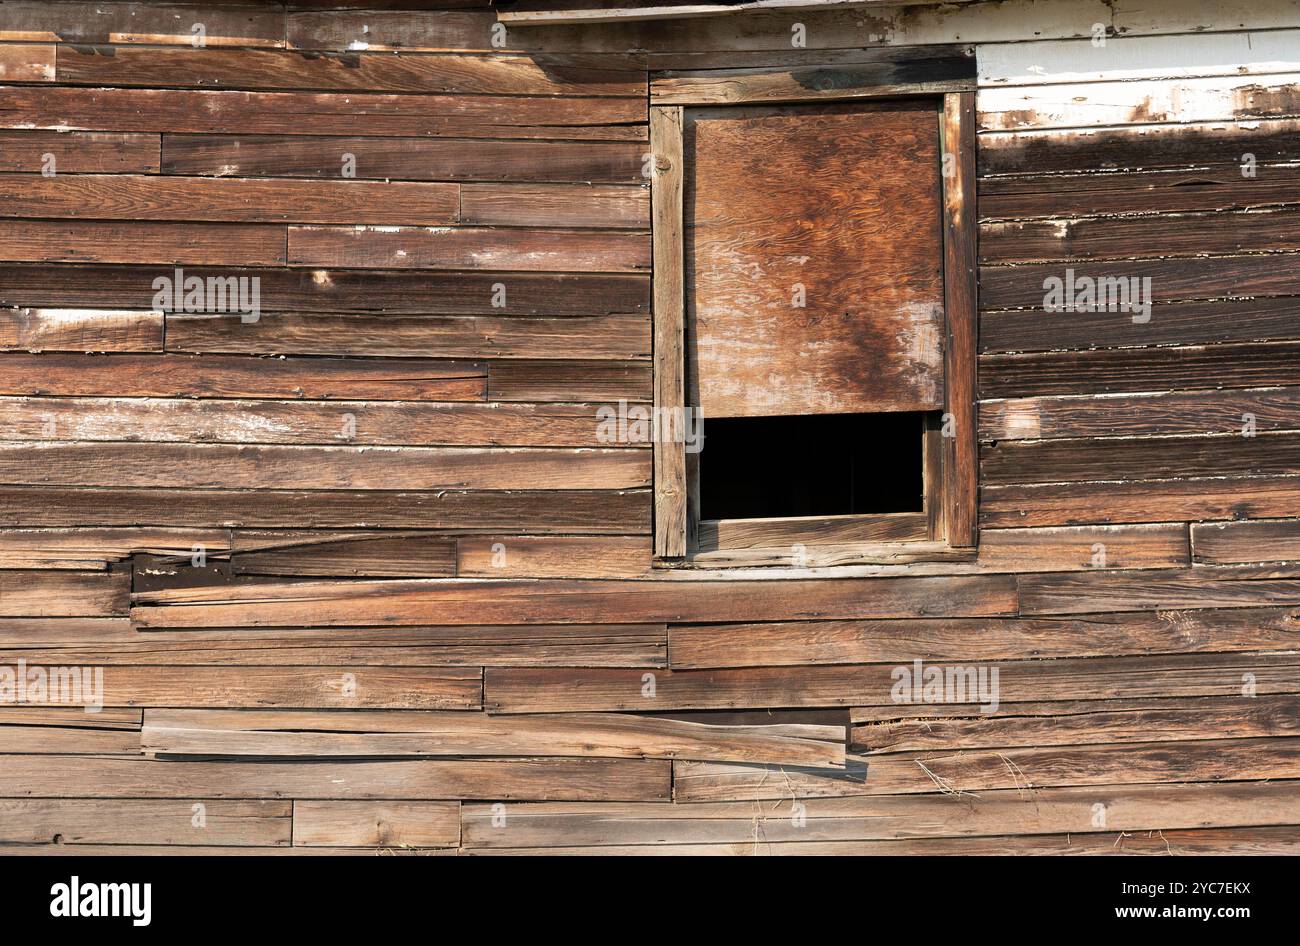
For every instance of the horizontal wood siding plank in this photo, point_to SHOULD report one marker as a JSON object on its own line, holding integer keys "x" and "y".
{"x": 1138, "y": 415}
{"x": 161, "y": 24}
{"x": 501, "y": 779}
{"x": 415, "y": 159}
{"x": 469, "y": 248}
{"x": 1099, "y": 635}
{"x": 179, "y": 465}
{"x": 1128, "y": 808}
{"x": 320, "y": 113}
{"x": 559, "y": 645}
{"x": 85, "y": 330}
{"x": 403, "y": 824}
{"x": 234, "y": 376}
{"x": 1055, "y": 461}
{"x": 562, "y": 510}
{"x": 1063, "y": 504}
{"x": 374, "y": 687}
{"x": 613, "y": 337}
{"x": 59, "y": 594}
{"x": 560, "y": 601}
{"x": 233, "y": 733}
{"x": 1027, "y": 769}
{"x": 233, "y": 200}
{"x": 1225, "y": 543}
{"x": 78, "y": 152}
{"x": 353, "y": 71}
{"x": 517, "y": 690}
{"x": 395, "y": 292}
{"x": 230, "y": 244}
{"x": 145, "y": 821}
{"x": 426, "y": 423}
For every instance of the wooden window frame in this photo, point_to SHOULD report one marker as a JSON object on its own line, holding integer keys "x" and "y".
{"x": 946, "y": 528}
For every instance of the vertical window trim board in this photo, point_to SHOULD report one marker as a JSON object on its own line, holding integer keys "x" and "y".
{"x": 952, "y": 520}
{"x": 668, "y": 275}
{"x": 960, "y": 459}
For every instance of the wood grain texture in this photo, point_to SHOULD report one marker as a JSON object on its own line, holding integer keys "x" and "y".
{"x": 449, "y": 159}
{"x": 255, "y": 733}
{"x": 960, "y": 463}
{"x": 252, "y": 466}
{"x": 560, "y": 601}
{"x": 319, "y": 113}
{"x": 763, "y": 186}
{"x": 672, "y": 519}
{"x": 558, "y": 779}
{"x": 1100, "y": 635}
{"x": 407, "y": 824}
{"x": 128, "y": 197}
{"x": 98, "y": 330}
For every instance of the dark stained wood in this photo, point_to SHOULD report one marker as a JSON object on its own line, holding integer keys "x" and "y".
{"x": 1122, "y": 237}
{"x": 127, "y": 197}
{"x": 1086, "y": 195}
{"x": 51, "y": 241}
{"x": 555, "y": 205}
{"x": 1172, "y": 280}
{"x": 526, "y": 250}
{"x": 615, "y": 337}
{"x": 156, "y": 24}
{"x": 1159, "y": 146}
{"x": 429, "y": 159}
{"x": 1222, "y": 543}
{"x": 354, "y": 71}
{"x": 1199, "y": 412}
{"x": 1058, "y": 461}
{"x": 1058, "y": 504}
{"x": 343, "y": 290}
{"x": 1140, "y": 369}
{"x": 812, "y": 83}
{"x": 79, "y": 152}
{"x": 195, "y": 376}
{"x": 606, "y": 381}
{"x": 603, "y": 511}
{"x": 320, "y": 113}
{"x": 869, "y": 336}
{"x": 1180, "y": 323}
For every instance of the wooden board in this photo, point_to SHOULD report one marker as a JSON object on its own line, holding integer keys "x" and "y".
{"x": 765, "y": 215}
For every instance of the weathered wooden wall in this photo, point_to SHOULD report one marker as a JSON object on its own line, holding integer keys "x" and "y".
{"x": 427, "y": 590}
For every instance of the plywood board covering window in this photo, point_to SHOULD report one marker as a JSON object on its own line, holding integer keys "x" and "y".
{"x": 814, "y": 259}
{"x": 814, "y": 291}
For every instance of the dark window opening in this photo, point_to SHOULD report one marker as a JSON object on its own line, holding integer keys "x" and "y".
{"x": 823, "y": 465}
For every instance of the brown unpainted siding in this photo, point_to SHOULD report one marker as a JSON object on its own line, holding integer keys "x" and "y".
{"x": 404, "y": 516}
